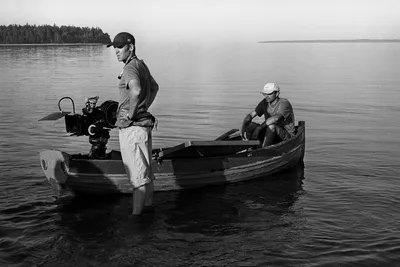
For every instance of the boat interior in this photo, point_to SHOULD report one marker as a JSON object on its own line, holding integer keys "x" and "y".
{"x": 227, "y": 144}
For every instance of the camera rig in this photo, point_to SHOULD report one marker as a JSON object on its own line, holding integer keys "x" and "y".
{"x": 94, "y": 121}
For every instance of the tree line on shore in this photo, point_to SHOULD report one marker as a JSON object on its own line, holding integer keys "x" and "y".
{"x": 46, "y": 34}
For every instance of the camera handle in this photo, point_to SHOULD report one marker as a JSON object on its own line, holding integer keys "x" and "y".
{"x": 73, "y": 104}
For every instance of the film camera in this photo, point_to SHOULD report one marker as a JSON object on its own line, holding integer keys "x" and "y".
{"x": 94, "y": 121}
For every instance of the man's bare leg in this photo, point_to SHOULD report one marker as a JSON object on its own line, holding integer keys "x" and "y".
{"x": 269, "y": 136}
{"x": 149, "y": 194}
{"x": 138, "y": 199}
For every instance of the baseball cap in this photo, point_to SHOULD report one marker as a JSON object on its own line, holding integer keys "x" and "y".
{"x": 121, "y": 39}
{"x": 270, "y": 87}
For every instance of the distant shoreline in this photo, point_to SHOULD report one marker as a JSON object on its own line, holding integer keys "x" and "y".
{"x": 49, "y": 44}
{"x": 336, "y": 41}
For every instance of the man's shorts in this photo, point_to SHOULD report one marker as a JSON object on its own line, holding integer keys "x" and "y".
{"x": 136, "y": 146}
{"x": 281, "y": 132}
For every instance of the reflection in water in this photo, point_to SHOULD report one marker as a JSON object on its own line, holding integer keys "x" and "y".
{"x": 189, "y": 208}
{"x": 87, "y": 225}
{"x": 218, "y": 210}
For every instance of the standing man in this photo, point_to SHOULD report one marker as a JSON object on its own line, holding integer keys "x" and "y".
{"x": 278, "y": 114}
{"x": 137, "y": 91}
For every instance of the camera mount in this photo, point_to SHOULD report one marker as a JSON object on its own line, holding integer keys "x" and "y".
{"x": 94, "y": 121}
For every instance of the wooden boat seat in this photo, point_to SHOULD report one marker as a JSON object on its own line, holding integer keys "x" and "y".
{"x": 197, "y": 149}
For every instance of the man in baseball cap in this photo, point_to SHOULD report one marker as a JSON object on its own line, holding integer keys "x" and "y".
{"x": 269, "y": 88}
{"x": 122, "y": 39}
{"x": 279, "y": 118}
{"x": 137, "y": 91}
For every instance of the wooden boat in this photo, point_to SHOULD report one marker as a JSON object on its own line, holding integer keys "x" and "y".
{"x": 191, "y": 164}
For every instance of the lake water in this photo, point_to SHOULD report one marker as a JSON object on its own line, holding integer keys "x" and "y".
{"x": 338, "y": 209}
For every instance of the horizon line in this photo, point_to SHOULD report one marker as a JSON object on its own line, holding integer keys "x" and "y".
{"x": 335, "y": 41}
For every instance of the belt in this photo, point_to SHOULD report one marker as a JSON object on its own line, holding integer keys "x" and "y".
{"x": 145, "y": 119}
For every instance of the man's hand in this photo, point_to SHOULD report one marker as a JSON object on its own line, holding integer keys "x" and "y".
{"x": 123, "y": 114}
{"x": 272, "y": 120}
{"x": 246, "y": 122}
{"x": 243, "y": 135}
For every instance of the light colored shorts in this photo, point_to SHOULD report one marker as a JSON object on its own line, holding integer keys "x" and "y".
{"x": 136, "y": 146}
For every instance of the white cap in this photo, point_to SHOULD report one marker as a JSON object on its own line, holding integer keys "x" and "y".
{"x": 270, "y": 87}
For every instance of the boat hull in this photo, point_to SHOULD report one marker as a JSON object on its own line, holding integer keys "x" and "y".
{"x": 103, "y": 177}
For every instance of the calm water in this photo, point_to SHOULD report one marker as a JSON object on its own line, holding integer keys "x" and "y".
{"x": 339, "y": 209}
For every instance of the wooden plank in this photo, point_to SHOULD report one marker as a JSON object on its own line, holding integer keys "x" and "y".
{"x": 226, "y": 143}
{"x": 199, "y": 149}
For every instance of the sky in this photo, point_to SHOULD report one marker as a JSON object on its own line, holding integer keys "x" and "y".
{"x": 214, "y": 21}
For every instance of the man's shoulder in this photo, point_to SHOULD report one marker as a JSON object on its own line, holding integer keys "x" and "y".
{"x": 133, "y": 64}
{"x": 262, "y": 103}
{"x": 284, "y": 101}
{"x": 284, "y": 104}
{"x": 261, "y": 107}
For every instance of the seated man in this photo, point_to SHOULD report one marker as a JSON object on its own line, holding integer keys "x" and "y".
{"x": 279, "y": 118}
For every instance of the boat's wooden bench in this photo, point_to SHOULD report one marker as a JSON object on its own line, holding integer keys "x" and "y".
{"x": 196, "y": 149}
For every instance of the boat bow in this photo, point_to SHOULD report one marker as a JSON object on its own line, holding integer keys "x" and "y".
{"x": 55, "y": 164}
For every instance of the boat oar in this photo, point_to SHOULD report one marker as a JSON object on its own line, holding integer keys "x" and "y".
{"x": 226, "y": 136}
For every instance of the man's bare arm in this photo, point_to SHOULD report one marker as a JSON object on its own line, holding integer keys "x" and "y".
{"x": 273, "y": 119}
{"x": 153, "y": 91}
{"x": 134, "y": 91}
{"x": 246, "y": 121}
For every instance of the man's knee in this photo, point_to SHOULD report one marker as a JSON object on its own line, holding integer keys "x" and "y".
{"x": 282, "y": 133}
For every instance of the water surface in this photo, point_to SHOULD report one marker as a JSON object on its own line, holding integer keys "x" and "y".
{"x": 338, "y": 209}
